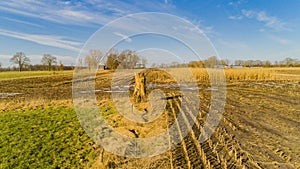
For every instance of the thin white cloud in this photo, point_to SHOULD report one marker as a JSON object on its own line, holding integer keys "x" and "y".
{"x": 195, "y": 29}
{"x": 248, "y": 13}
{"x": 5, "y": 56}
{"x": 16, "y": 11}
{"x": 56, "y": 12}
{"x": 280, "y": 40}
{"x": 80, "y": 13}
{"x": 54, "y": 41}
{"x": 237, "y": 3}
{"x": 124, "y": 37}
{"x": 75, "y": 14}
{"x": 67, "y": 60}
{"x": 207, "y": 30}
{"x": 189, "y": 31}
{"x": 232, "y": 44}
{"x": 269, "y": 21}
{"x": 168, "y": 2}
{"x": 4, "y": 60}
{"x": 237, "y": 17}
{"x": 22, "y": 22}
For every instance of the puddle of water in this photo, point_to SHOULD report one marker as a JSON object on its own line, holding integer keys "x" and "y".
{"x": 115, "y": 91}
{"x": 121, "y": 89}
{"x": 6, "y": 95}
{"x": 104, "y": 91}
{"x": 212, "y": 89}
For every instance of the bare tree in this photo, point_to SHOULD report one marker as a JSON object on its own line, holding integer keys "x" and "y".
{"x": 20, "y": 59}
{"x": 80, "y": 63}
{"x": 125, "y": 60}
{"x": 93, "y": 59}
{"x": 49, "y": 60}
{"x": 112, "y": 61}
{"x": 239, "y": 62}
{"x": 289, "y": 62}
{"x": 144, "y": 61}
{"x": 61, "y": 66}
{"x": 211, "y": 62}
{"x": 267, "y": 63}
{"x": 154, "y": 65}
{"x": 128, "y": 59}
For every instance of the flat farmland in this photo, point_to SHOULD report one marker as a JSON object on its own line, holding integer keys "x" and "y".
{"x": 259, "y": 127}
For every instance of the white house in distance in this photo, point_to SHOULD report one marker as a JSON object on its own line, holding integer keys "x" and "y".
{"x": 220, "y": 66}
{"x": 139, "y": 66}
{"x": 236, "y": 66}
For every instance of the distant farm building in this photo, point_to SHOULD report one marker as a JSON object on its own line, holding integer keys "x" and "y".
{"x": 236, "y": 66}
{"x": 220, "y": 66}
{"x": 139, "y": 66}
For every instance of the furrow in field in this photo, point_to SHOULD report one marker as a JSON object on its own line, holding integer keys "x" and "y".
{"x": 179, "y": 154}
{"x": 260, "y": 134}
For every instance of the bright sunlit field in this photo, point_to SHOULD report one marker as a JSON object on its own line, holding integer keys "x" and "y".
{"x": 259, "y": 127}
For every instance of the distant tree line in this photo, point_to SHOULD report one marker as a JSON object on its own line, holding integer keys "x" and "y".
{"x": 21, "y": 63}
{"x": 287, "y": 62}
{"x": 213, "y": 61}
{"x": 126, "y": 59}
{"x": 129, "y": 59}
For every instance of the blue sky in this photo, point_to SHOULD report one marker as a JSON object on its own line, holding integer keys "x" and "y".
{"x": 256, "y": 29}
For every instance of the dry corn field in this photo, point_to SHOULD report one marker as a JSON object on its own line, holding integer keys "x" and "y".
{"x": 252, "y": 74}
{"x": 259, "y": 128}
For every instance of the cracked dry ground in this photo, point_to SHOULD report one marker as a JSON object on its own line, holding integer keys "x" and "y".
{"x": 260, "y": 128}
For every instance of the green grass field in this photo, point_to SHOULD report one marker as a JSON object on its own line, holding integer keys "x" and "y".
{"x": 24, "y": 74}
{"x": 44, "y": 138}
